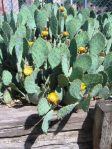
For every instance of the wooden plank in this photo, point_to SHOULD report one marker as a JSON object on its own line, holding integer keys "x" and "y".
{"x": 18, "y": 129}
{"x": 57, "y": 146}
{"x": 102, "y": 130}
{"x": 106, "y": 135}
{"x": 62, "y": 139}
{"x": 17, "y": 122}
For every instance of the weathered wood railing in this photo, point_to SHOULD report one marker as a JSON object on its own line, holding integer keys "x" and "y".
{"x": 18, "y": 130}
{"x": 102, "y": 130}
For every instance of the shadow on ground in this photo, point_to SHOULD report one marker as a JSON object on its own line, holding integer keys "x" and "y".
{"x": 85, "y": 134}
{"x": 83, "y": 138}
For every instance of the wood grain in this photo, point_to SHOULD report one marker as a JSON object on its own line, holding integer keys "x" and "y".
{"x": 102, "y": 129}
{"x": 18, "y": 129}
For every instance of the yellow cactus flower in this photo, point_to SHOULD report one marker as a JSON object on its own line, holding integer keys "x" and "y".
{"x": 44, "y": 33}
{"x": 28, "y": 70}
{"x": 30, "y": 43}
{"x": 82, "y": 50}
{"x": 83, "y": 86}
{"x": 53, "y": 98}
{"x": 62, "y": 9}
{"x": 65, "y": 34}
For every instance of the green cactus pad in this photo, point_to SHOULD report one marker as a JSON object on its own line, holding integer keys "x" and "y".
{"x": 43, "y": 106}
{"x": 46, "y": 121}
{"x": 74, "y": 89}
{"x": 83, "y": 61}
{"x": 6, "y": 77}
{"x": 97, "y": 43}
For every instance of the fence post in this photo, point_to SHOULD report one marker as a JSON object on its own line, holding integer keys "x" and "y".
{"x": 85, "y": 3}
{"x": 71, "y": 2}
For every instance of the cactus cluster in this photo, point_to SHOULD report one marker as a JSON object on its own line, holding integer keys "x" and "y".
{"x": 55, "y": 56}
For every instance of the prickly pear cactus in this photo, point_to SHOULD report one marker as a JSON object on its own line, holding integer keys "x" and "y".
{"x": 56, "y": 58}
